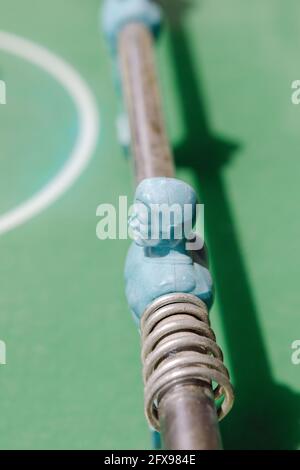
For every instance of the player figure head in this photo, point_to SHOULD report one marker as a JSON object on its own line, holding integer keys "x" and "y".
{"x": 164, "y": 212}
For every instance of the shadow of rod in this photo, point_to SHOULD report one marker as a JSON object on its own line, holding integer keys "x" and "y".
{"x": 261, "y": 405}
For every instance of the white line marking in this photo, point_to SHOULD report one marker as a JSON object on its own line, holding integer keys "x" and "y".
{"x": 86, "y": 141}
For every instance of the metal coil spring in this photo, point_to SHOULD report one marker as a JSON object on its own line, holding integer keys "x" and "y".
{"x": 178, "y": 346}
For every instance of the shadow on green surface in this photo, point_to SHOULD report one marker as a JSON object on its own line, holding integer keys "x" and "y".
{"x": 265, "y": 414}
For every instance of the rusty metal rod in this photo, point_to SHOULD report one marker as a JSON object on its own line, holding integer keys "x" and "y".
{"x": 150, "y": 146}
{"x": 188, "y": 418}
{"x": 187, "y": 413}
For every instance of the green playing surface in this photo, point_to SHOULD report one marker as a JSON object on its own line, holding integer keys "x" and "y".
{"x": 72, "y": 378}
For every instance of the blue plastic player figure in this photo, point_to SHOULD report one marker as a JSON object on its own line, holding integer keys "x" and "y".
{"x": 160, "y": 260}
{"x": 115, "y": 14}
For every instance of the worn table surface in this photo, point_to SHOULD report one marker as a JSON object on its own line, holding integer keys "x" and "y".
{"x": 72, "y": 378}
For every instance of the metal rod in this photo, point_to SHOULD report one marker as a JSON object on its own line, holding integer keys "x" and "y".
{"x": 187, "y": 413}
{"x": 151, "y": 150}
{"x": 188, "y": 418}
